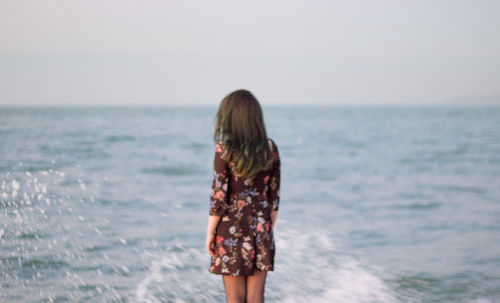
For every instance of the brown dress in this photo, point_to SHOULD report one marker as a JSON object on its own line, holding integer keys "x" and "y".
{"x": 243, "y": 237}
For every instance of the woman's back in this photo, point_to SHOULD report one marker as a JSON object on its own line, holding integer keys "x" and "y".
{"x": 258, "y": 186}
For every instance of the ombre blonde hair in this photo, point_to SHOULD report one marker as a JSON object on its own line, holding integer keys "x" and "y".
{"x": 240, "y": 128}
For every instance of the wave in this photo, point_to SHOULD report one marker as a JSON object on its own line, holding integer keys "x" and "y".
{"x": 308, "y": 267}
{"x": 44, "y": 263}
{"x": 169, "y": 170}
{"x": 430, "y": 205}
{"x": 120, "y": 138}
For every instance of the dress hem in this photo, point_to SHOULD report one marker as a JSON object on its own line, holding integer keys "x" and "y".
{"x": 241, "y": 274}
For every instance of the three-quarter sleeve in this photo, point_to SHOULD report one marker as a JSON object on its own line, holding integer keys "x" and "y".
{"x": 274, "y": 183}
{"x": 218, "y": 193}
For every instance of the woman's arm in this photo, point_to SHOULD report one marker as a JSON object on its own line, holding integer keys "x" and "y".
{"x": 274, "y": 185}
{"x": 274, "y": 214}
{"x": 218, "y": 194}
{"x": 218, "y": 197}
{"x": 212, "y": 224}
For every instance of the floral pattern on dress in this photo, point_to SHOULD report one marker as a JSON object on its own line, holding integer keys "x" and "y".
{"x": 244, "y": 237}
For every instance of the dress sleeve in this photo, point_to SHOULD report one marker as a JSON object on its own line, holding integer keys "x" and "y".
{"x": 274, "y": 185}
{"x": 218, "y": 193}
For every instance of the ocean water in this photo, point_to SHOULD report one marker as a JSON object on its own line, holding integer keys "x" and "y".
{"x": 378, "y": 204}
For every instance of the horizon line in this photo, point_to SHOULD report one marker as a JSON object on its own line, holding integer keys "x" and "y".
{"x": 263, "y": 105}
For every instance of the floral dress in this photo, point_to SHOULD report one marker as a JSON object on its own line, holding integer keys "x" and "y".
{"x": 243, "y": 237}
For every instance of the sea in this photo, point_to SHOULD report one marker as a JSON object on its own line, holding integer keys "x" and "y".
{"x": 385, "y": 203}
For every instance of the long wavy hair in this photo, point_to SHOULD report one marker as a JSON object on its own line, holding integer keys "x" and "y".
{"x": 240, "y": 127}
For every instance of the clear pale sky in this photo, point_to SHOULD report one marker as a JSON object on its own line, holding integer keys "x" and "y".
{"x": 285, "y": 52}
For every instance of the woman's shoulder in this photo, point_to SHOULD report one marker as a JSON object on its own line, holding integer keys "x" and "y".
{"x": 274, "y": 149}
{"x": 219, "y": 147}
{"x": 273, "y": 145}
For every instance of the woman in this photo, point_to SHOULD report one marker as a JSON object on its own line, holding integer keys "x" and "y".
{"x": 244, "y": 199}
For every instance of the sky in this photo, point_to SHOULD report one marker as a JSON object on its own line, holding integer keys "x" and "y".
{"x": 121, "y": 52}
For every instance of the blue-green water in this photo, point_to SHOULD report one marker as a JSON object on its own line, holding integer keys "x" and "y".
{"x": 379, "y": 204}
